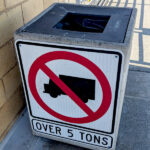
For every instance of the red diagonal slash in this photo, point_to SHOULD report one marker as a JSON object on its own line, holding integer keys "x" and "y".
{"x": 66, "y": 90}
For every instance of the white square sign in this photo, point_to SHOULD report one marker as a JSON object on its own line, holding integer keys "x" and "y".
{"x": 71, "y": 92}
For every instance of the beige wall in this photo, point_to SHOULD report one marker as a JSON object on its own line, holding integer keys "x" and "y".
{"x": 13, "y": 14}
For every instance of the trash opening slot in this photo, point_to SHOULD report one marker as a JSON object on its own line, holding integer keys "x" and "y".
{"x": 83, "y": 22}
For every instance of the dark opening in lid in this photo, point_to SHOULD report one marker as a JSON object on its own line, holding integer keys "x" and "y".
{"x": 83, "y": 22}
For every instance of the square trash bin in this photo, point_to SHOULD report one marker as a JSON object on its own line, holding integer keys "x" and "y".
{"x": 74, "y": 62}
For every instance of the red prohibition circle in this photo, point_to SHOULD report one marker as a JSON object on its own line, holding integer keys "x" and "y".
{"x": 40, "y": 62}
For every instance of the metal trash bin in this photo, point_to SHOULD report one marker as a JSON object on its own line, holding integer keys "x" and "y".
{"x": 74, "y": 62}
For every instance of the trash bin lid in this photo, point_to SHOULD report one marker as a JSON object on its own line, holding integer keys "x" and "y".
{"x": 87, "y": 22}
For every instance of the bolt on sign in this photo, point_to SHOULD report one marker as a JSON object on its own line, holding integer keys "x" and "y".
{"x": 74, "y": 93}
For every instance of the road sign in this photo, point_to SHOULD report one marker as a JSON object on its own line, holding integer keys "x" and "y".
{"x": 39, "y": 63}
{"x": 71, "y": 92}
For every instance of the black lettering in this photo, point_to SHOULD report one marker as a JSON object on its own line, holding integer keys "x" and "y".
{"x": 45, "y": 126}
{"x": 89, "y": 137}
{"x": 70, "y": 132}
{"x": 81, "y": 135}
{"x": 105, "y": 141}
{"x": 96, "y": 139}
{"x": 58, "y": 130}
{"x": 38, "y": 126}
{"x": 50, "y": 129}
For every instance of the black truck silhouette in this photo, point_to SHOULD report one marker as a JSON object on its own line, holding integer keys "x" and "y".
{"x": 83, "y": 88}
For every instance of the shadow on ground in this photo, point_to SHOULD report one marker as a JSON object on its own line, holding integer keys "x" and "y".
{"x": 140, "y": 56}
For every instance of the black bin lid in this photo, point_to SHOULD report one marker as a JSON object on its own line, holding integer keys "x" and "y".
{"x": 76, "y": 21}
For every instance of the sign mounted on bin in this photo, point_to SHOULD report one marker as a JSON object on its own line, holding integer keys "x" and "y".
{"x": 71, "y": 92}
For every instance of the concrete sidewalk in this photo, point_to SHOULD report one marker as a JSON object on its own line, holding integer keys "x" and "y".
{"x": 140, "y": 56}
{"x": 134, "y": 132}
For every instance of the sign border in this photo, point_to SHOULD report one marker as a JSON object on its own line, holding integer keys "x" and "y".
{"x": 76, "y": 49}
{"x": 69, "y": 138}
